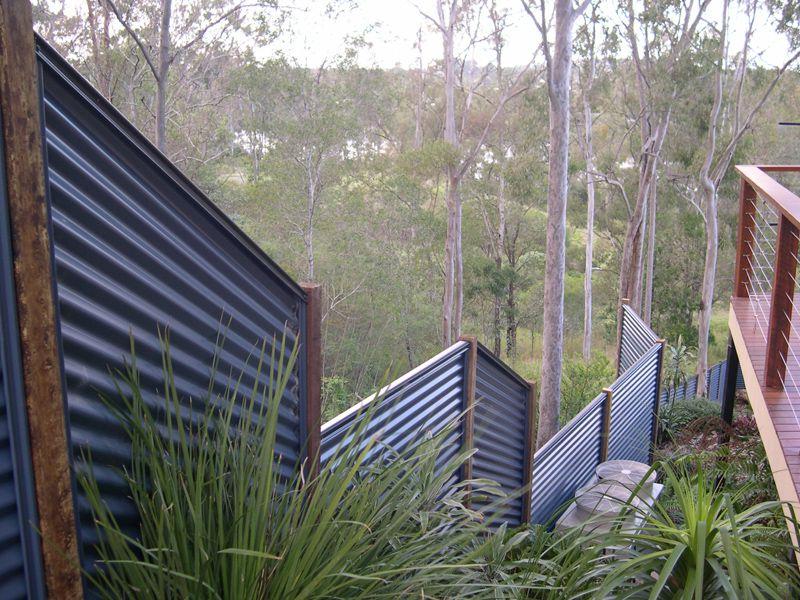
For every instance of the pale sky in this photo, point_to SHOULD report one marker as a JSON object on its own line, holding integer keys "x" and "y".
{"x": 397, "y": 22}
{"x": 393, "y": 26}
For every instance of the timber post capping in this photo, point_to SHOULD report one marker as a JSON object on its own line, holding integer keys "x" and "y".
{"x": 313, "y": 357}
{"x": 605, "y": 431}
{"x": 470, "y": 367}
{"x": 657, "y": 401}
{"x": 42, "y": 369}
{"x": 744, "y": 239}
{"x": 620, "y": 317}
{"x": 780, "y": 310}
{"x": 530, "y": 449}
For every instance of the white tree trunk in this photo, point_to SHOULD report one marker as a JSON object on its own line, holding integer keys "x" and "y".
{"x": 647, "y": 310}
{"x": 589, "y": 263}
{"x": 162, "y": 80}
{"x": 559, "y": 80}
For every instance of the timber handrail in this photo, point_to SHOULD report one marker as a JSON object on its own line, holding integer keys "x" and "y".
{"x": 779, "y": 255}
{"x": 782, "y": 199}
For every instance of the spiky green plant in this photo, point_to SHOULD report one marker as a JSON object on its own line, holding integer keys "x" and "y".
{"x": 708, "y": 551}
{"x": 217, "y": 520}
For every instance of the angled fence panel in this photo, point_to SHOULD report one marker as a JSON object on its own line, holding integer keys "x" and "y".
{"x": 137, "y": 247}
{"x": 566, "y": 462}
{"x": 633, "y": 406}
{"x": 423, "y": 401}
{"x": 635, "y": 340}
{"x": 501, "y": 399}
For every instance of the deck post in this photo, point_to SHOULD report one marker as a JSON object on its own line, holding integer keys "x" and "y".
{"x": 729, "y": 394}
{"x": 470, "y": 367}
{"x": 313, "y": 356}
{"x": 780, "y": 312}
{"x": 744, "y": 239}
{"x": 605, "y": 431}
{"x": 530, "y": 441}
{"x": 42, "y": 369}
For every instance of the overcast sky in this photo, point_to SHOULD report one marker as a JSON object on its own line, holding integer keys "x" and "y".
{"x": 396, "y": 23}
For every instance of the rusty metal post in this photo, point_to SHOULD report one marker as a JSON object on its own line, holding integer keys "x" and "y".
{"x": 313, "y": 357}
{"x": 470, "y": 367}
{"x": 605, "y": 431}
{"x": 657, "y": 401}
{"x": 531, "y": 407}
{"x": 620, "y": 317}
{"x": 36, "y": 301}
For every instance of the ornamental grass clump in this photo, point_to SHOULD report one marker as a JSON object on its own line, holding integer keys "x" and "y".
{"x": 702, "y": 547}
{"x": 219, "y": 518}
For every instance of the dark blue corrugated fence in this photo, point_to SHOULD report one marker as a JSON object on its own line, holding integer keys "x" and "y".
{"x": 423, "y": 401}
{"x": 501, "y": 428}
{"x": 568, "y": 460}
{"x": 715, "y": 385}
{"x": 138, "y": 247}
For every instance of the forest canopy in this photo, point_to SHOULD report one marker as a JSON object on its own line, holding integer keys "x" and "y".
{"x": 418, "y": 194}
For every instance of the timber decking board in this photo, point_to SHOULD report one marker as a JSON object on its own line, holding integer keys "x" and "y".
{"x": 777, "y": 411}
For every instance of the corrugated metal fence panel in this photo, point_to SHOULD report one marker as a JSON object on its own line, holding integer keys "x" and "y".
{"x": 566, "y": 462}
{"x": 632, "y": 409}
{"x": 21, "y": 574}
{"x": 500, "y": 421}
{"x": 424, "y": 400}
{"x": 636, "y": 338}
{"x": 715, "y": 385}
{"x": 137, "y": 246}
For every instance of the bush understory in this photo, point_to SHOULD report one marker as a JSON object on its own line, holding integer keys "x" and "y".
{"x": 218, "y": 520}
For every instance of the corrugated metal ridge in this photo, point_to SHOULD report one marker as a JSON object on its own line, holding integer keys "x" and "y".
{"x": 632, "y": 370}
{"x": 133, "y": 136}
{"x": 566, "y": 429}
{"x": 400, "y": 381}
{"x": 639, "y": 323}
{"x": 504, "y": 366}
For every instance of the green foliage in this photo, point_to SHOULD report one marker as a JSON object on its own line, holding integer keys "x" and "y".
{"x": 675, "y": 417}
{"x": 335, "y": 397}
{"x": 581, "y": 382}
{"x": 220, "y": 519}
{"x": 711, "y": 551}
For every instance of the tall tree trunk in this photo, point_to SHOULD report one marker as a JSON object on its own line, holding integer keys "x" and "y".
{"x": 420, "y": 96}
{"x": 451, "y": 138}
{"x": 709, "y": 187}
{"x": 589, "y": 263}
{"x": 559, "y": 80}
{"x": 459, "y": 271}
{"x": 511, "y": 320}
{"x": 647, "y": 310}
{"x": 162, "y": 79}
{"x": 497, "y": 338}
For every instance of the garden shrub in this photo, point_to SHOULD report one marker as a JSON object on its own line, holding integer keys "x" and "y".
{"x": 581, "y": 382}
{"x": 675, "y": 417}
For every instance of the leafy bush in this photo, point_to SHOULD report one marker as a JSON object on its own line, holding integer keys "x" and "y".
{"x": 581, "y": 382}
{"x": 674, "y": 417}
{"x": 335, "y": 397}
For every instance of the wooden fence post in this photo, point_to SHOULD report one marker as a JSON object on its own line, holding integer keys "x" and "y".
{"x": 657, "y": 401}
{"x": 744, "y": 239}
{"x": 313, "y": 356}
{"x": 780, "y": 310}
{"x": 469, "y": 402}
{"x": 605, "y": 432}
{"x": 620, "y": 316}
{"x": 36, "y": 300}
{"x": 530, "y": 441}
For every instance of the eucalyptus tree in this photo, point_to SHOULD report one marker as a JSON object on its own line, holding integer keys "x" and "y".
{"x": 165, "y": 33}
{"x": 559, "y": 70}
{"x": 451, "y": 18}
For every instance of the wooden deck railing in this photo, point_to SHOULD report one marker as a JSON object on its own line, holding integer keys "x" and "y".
{"x": 766, "y": 261}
